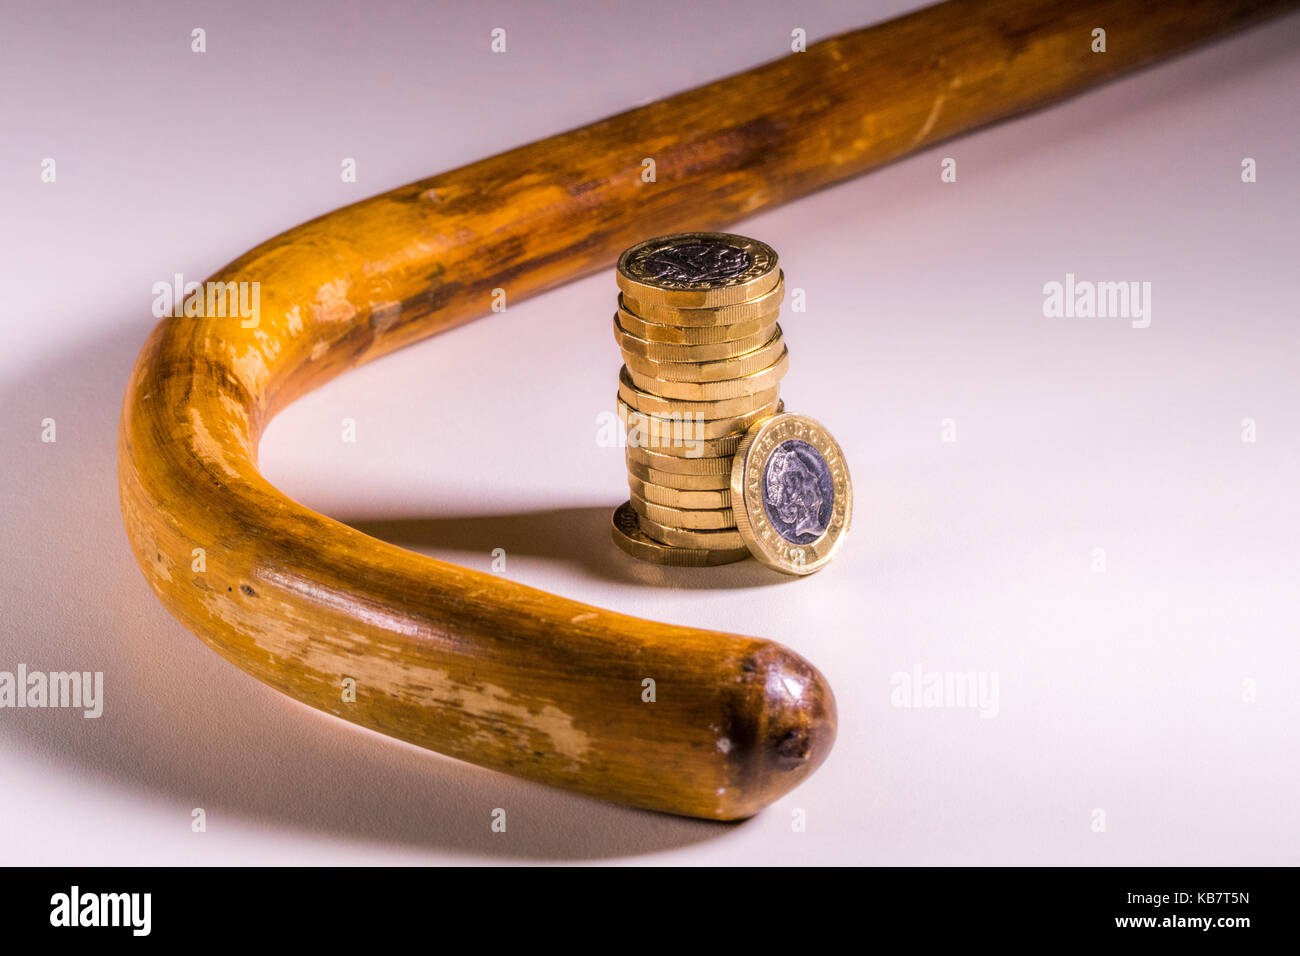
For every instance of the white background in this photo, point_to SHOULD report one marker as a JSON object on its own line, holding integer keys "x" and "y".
{"x": 1121, "y": 691}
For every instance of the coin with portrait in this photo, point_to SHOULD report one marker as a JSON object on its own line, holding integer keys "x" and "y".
{"x": 791, "y": 494}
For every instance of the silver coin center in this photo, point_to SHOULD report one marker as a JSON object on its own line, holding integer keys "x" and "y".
{"x": 696, "y": 262}
{"x": 798, "y": 492}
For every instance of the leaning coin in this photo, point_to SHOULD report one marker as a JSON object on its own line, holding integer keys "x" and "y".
{"x": 655, "y": 404}
{"x": 689, "y": 519}
{"x": 762, "y": 380}
{"x": 701, "y": 370}
{"x": 669, "y": 352}
{"x": 677, "y": 498}
{"x": 709, "y": 335}
{"x": 791, "y": 493}
{"x": 627, "y": 534}
{"x": 697, "y": 270}
{"x": 685, "y": 538}
{"x": 765, "y": 305}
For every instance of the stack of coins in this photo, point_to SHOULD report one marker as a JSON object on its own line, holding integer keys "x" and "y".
{"x": 703, "y": 362}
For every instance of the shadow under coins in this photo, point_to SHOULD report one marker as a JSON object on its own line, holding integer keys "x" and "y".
{"x": 183, "y": 726}
{"x": 578, "y": 537}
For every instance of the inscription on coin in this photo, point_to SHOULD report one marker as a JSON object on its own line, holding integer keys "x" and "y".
{"x": 696, "y": 262}
{"x": 697, "y": 270}
{"x": 790, "y": 493}
{"x": 798, "y": 492}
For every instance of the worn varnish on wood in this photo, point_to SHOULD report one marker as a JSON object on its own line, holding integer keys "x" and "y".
{"x": 466, "y": 663}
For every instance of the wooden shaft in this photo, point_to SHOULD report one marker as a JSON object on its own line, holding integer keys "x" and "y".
{"x": 469, "y": 664}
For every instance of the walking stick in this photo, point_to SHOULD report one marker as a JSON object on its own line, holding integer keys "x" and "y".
{"x": 469, "y": 664}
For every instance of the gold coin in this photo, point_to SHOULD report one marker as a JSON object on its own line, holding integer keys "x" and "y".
{"x": 688, "y": 519}
{"x": 654, "y": 404}
{"x": 697, "y": 270}
{"x": 760, "y": 381}
{"x": 686, "y": 446}
{"x": 766, "y": 305}
{"x": 716, "y": 371}
{"x": 680, "y": 466}
{"x": 791, "y": 494}
{"x": 670, "y": 352}
{"x": 721, "y": 540}
{"x": 677, "y": 498}
{"x": 708, "y": 335}
{"x": 627, "y": 534}
{"x": 683, "y": 430}
{"x": 668, "y": 479}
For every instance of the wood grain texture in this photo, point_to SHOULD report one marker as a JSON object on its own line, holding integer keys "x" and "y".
{"x": 469, "y": 664}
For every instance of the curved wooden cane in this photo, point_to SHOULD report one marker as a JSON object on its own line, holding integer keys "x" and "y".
{"x": 466, "y": 663}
